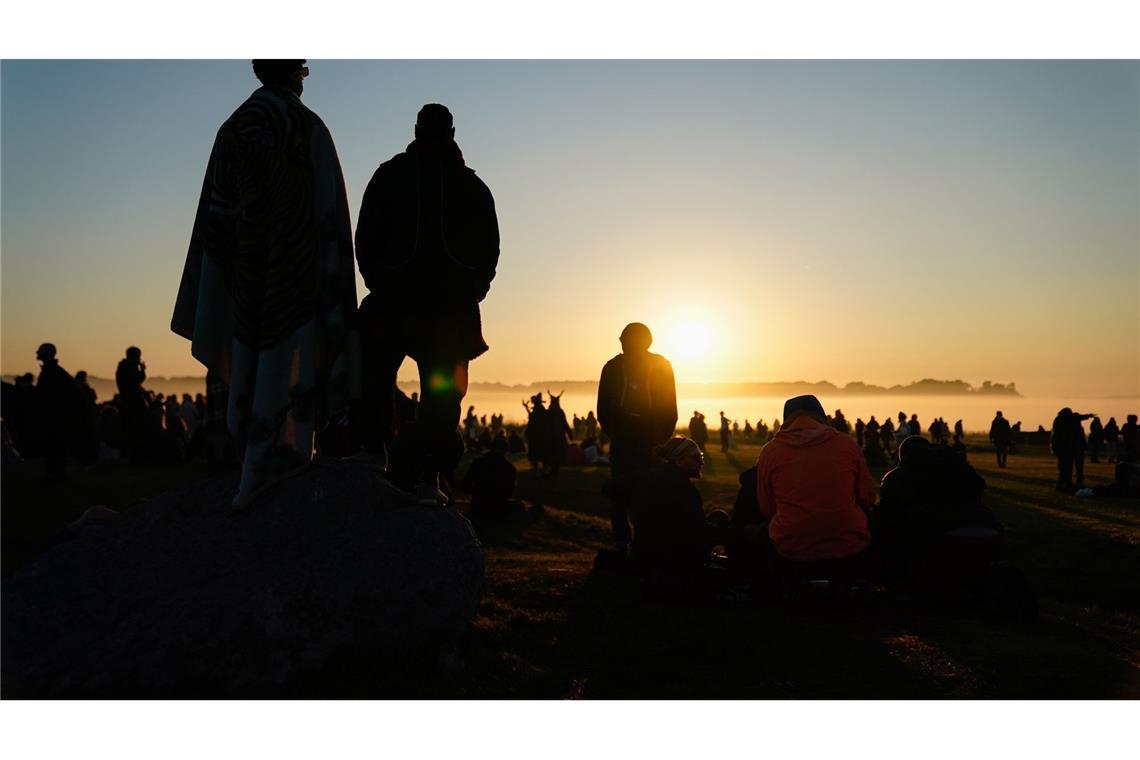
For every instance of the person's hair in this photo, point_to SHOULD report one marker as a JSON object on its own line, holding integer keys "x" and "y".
{"x": 276, "y": 71}
{"x": 635, "y": 335}
{"x": 434, "y": 122}
{"x": 81, "y": 375}
{"x": 134, "y": 350}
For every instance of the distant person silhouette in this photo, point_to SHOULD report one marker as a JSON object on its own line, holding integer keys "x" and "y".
{"x": 268, "y": 294}
{"x": 958, "y": 431}
{"x": 1067, "y": 441}
{"x": 591, "y": 425}
{"x": 1096, "y": 439}
{"x": 1128, "y": 440}
{"x": 637, "y": 409}
{"x": 915, "y": 427}
{"x": 1111, "y": 439}
{"x": 699, "y": 430}
{"x": 536, "y": 434}
{"x": 427, "y": 242}
{"x": 725, "y": 433}
{"x": 558, "y": 434}
{"x": 129, "y": 377}
{"x": 59, "y": 404}
{"x": 86, "y": 438}
{"x": 1000, "y": 434}
{"x": 860, "y": 429}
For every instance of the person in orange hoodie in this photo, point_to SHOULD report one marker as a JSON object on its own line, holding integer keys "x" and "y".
{"x": 813, "y": 485}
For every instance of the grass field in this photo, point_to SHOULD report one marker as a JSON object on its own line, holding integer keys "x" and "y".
{"x": 550, "y": 628}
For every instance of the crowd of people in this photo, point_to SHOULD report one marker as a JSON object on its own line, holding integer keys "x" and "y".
{"x": 295, "y": 367}
{"x": 59, "y": 417}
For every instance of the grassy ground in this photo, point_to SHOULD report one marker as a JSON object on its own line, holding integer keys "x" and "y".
{"x": 549, "y": 627}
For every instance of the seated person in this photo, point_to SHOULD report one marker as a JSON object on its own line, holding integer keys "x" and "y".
{"x": 670, "y": 535}
{"x": 813, "y": 485}
{"x": 491, "y": 482}
{"x": 1125, "y": 483}
{"x": 931, "y": 525}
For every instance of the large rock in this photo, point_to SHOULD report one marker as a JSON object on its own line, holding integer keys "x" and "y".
{"x": 184, "y": 597}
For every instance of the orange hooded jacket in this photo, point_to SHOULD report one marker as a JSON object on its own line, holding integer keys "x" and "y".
{"x": 813, "y": 484}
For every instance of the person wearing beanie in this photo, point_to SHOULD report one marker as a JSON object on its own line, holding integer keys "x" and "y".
{"x": 637, "y": 409}
{"x": 670, "y": 535}
{"x": 813, "y": 485}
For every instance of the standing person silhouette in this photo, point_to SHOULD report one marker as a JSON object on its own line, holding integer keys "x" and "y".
{"x": 637, "y": 409}
{"x": 268, "y": 294}
{"x": 59, "y": 404}
{"x": 1000, "y": 435}
{"x": 129, "y": 377}
{"x": 427, "y": 242}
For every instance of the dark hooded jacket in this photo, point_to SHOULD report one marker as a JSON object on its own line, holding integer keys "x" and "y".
{"x": 427, "y": 243}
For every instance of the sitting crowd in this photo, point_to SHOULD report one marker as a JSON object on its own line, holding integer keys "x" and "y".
{"x": 808, "y": 512}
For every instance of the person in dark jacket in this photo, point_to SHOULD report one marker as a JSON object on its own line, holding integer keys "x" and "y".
{"x": 1111, "y": 439}
{"x": 491, "y": 482}
{"x": 930, "y": 503}
{"x": 670, "y": 535}
{"x": 59, "y": 404}
{"x": 1096, "y": 439}
{"x": 427, "y": 244}
{"x": 1000, "y": 436}
{"x": 1128, "y": 440}
{"x": 637, "y": 409}
{"x": 1067, "y": 442}
{"x": 129, "y": 378}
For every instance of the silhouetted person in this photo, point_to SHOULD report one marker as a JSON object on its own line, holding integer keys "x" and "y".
{"x": 427, "y": 242}
{"x": 1128, "y": 440}
{"x": 268, "y": 294}
{"x": 59, "y": 404}
{"x": 591, "y": 425}
{"x": 1067, "y": 442}
{"x": 958, "y": 447}
{"x": 86, "y": 440}
{"x": 637, "y": 409}
{"x": 558, "y": 434}
{"x": 860, "y": 429}
{"x": 1000, "y": 435}
{"x": 930, "y": 506}
{"x": 1096, "y": 439}
{"x": 725, "y": 432}
{"x": 537, "y": 435}
{"x": 903, "y": 431}
{"x": 840, "y": 423}
{"x": 1111, "y": 439}
{"x": 129, "y": 377}
{"x": 491, "y": 482}
{"x": 915, "y": 427}
{"x": 958, "y": 431}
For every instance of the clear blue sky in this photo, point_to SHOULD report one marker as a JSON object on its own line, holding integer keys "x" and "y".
{"x": 877, "y": 221}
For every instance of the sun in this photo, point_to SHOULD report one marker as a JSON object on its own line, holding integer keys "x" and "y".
{"x": 691, "y": 345}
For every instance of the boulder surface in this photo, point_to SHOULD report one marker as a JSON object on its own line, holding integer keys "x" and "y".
{"x": 185, "y": 597}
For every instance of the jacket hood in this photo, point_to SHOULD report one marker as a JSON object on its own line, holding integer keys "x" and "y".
{"x": 804, "y": 432}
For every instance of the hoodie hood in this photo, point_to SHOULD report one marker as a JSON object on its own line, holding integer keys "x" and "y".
{"x": 804, "y": 432}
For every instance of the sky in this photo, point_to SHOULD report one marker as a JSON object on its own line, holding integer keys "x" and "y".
{"x": 769, "y": 220}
